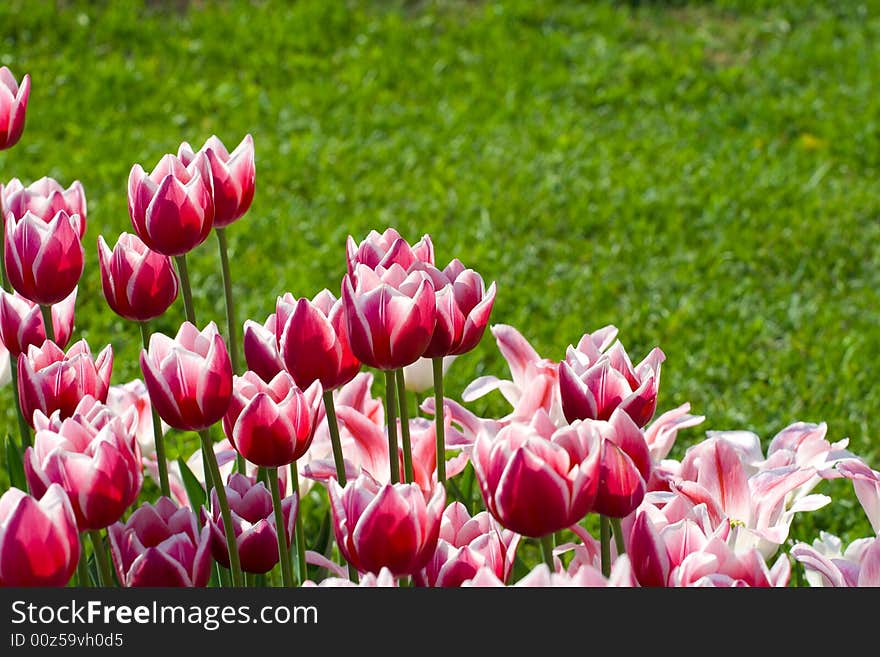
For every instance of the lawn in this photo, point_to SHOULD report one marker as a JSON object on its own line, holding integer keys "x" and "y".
{"x": 702, "y": 175}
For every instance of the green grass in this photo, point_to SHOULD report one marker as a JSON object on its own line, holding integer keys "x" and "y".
{"x": 702, "y": 175}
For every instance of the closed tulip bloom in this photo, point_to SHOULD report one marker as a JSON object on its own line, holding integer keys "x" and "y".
{"x": 188, "y": 377}
{"x": 535, "y": 479}
{"x": 13, "y": 107}
{"x": 39, "y": 543}
{"x": 625, "y": 465}
{"x": 161, "y": 545}
{"x": 139, "y": 284}
{"x": 253, "y": 518}
{"x": 172, "y": 208}
{"x": 394, "y": 526}
{"x": 313, "y": 341}
{"x": 233, "y": 174}
{"x": 21, "y": 322}
{"x": 389, "y": 315}
{"x": 271, "y": 424}
{"x": 44, "y": 260}
{"x": 44, "y": 198}
{"x": 93, "y": 456}
{"x": 51, "y": 380}
{"x": 387, "y": 248}
{"x": 261, "y": 348}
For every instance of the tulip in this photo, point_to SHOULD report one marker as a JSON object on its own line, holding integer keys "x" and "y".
{"x": 827, "y": 565}
{"x": 386, "y": 249}
{"x": 261, "y": 348}
{"x": 13, "y": 107}
{"x": 138, "y": 284}
{"x": 172, "y": 208}
{"x": 5, "y": 369}
{"x": 51, "y": 380}
{"x": 21, "y": 322}
{"x": 44, "y": 198}
{"x": 253, "y": 519}
{"x": 161, "y": 545}
{"x": 233, "y": 175}
{"x": 93, "y": 456}
{"x": 189, "y": 377}
{"x": 44, "y": 260}
{"x": 420, "y": 375}
{"x": 39, "y": 544}
{"x": 395, "y": 526}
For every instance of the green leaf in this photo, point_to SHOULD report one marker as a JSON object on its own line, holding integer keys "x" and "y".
{"x": 194, "y": 490}
{"x": 14, "y": 465}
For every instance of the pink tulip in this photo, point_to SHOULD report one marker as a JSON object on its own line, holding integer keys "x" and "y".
{"x": 253, "y": 518}
{"x": 233, "y": 175}
{"x": 386, "y": 249}
{"x": 93, "y": 456}
{"x": 261, "y": 348}
{"x": 39, "y": 543}
{"x": 50, "y": 380}
{"x": 271, "y": 424}
{"x": 161, "y": 545}
{"x": 21, "y": 322}
{"x": 389, "y": 315}
{"x": 866, "y": 484}
{"x": 189, "y": 377}
{"x": 394, "y": 526}
{"x": 13, "y": 107}
{"x": 44, "y": 198}
{"x": 138, "y": 284}
{"x": 313, "y": 341}
{"x": 44, "y": 260}
{"x": 172, "y": 208}
{"x": 827, "y": 565}
{"x": 593, "y": 383}
{"x": 536, "y": 479}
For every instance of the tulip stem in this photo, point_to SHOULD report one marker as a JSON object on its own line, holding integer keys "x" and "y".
{"x": 605, "y": 540}
{"x": 46, "y": 310}
{"x": 335, "y": 441}
{"x": 157, "y": 427}
{"x": 618, "y": 536}
{"x": 23, "y": 427}
{"x": 299, "y": 536}
{"x": 547, "y": 550}
{"x": 185, "y": 288}
{"x": 439, "y": 420}
{"x": 82, "y": 568}
{"x": 231, "y": 544}
{"x": 105, "y": 572}
{"x": 404, "y": 426}
{"x": 391, "y": 418}
{"x": 280, "y": 529}
{"x": 3, "y": 278}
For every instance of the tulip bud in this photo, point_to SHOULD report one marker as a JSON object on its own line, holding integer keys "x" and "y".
{"x": 13, "y": 107}
{"x": 21, "y": 322}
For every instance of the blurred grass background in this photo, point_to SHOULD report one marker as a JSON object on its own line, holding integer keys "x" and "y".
{"x": 702, "y": 175}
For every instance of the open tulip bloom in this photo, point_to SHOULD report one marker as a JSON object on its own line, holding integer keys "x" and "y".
{"x": 44, "y": 198}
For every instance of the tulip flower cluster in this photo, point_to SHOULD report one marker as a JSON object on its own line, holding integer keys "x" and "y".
{"x": 582, "y": 469}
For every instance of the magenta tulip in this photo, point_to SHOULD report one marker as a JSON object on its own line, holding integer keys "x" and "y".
{"x": 39, "y": 543}
{"x": 13, "y": 107}
{"x": 253, "y": 519}
{"x": 172, "y": 208}
{"x": 44, "y": 198}
{"x": 395, "y": 526}
{"x": 233, "y": 175}
{"x": 139, "y": 284}
{"x": 21, "y": 322}
{"x": 536, "y": 479}
{"x": 271, "y": 424}
{"x": 51, "y": 380}
{"x": 189, "y": 377}
{"x": 389, "y": 315}
{"x": 313, "y": 341}
{"x": 93, "y": 456}
{"x": 44, "y": 260}
{"x": 261, "y": 348}
{"x": 386, "y": 249}
{"x": 161, "y": 545}
{"x": 625, "y": 465}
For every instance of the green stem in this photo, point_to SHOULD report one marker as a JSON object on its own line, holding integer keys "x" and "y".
{"x": 391, "y": 418}
{"x": 105, "y": 570}
{"x": 3, "y": 278}
{"x": 299, "y": 535}
{"x": 547, "y": 551}
{"x": 280, "y": 529}
{"x": 250, "y": 579}
{"x": 185, "y": 288}
{"x": 404, "y": 426}
{"x": 335, "y": 440}
{"x": 231, "y": 545}
{"x": 23, "y": 427}
{"x": 605, "y": 539}
{"x": 231, "y": 325}
{"x": 47, "y": 321}
{"x": 159, "y": 439}
{"x": 82, "y": 568}
{"x": 618, "y": 536}
{"x": 440, "y": 427}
